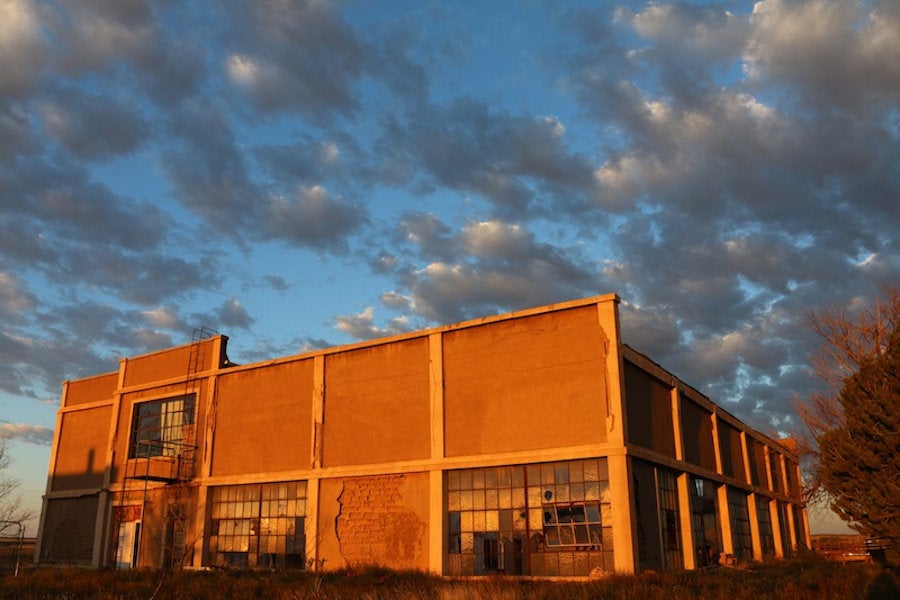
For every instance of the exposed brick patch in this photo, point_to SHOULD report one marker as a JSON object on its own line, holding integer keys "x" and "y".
{"x": 374, "y": 525}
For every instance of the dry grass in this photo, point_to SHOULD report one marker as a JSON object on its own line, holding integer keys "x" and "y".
{"x": 806, "y": 579}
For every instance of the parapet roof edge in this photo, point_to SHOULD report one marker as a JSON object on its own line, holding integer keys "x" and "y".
{"x": 508, "y": 316}
{"x": 676, "y": 381}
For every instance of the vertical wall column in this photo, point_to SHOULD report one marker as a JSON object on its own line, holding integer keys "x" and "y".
{"x": 775, "y": 516}
{"x": 102, "y": 525}
{"x": 725, "y": 520}
{"x": 687, "y": 528}
{"x": 624, "y": 520}
{"x": 209, "y": 438}
{"x": 437, "y": 520}
{"x": 751, "y": 501}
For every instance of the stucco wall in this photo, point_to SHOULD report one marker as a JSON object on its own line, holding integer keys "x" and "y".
{"x": 92, "y": 389}
{"x": 525, "y": 384}
{"x": 81, "y": 449}
{"x": 377, "y": 404}
{"x": 175, "y": 362}
{"x": 263, "y": 418}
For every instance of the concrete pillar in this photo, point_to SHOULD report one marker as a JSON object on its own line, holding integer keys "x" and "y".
{"x": 624, "y": 522}
{"x": 687, "y": 528}
{"x": 437, "y": 518}
{"x": 725, "y": 520}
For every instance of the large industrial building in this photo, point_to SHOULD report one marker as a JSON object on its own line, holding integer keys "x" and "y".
{"x": 531, "y": 443}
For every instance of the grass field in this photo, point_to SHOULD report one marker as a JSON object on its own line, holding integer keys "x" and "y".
{"x": 810, "y": 578}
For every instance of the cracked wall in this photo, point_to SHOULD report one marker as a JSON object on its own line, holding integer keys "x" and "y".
{"x": 375, "y": 520}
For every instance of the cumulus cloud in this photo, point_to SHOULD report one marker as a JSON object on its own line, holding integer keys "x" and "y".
{"x": 361, "y": 326}
{"x": 23, "y": 51}
{"x": 311, "y": 217}
{"x": 31, "y": 434}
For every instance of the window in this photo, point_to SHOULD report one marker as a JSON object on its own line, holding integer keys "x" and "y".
{"x": 740, "y": 524}
{"x": 704, "y": 520}
{"x": 160, "y": 427}
{"x": 764, "y": 518}
{"x": 572, "y": 524}
{"x": 258, "y": 525}
{"x": 538, "y": 519}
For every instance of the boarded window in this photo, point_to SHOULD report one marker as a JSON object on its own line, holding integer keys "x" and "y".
{"x": 649, "y": 405}
{"x": 69, "y": 530}
{"x": 696, "y": 424}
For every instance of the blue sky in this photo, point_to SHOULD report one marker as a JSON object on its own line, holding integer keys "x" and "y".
{"x": 303, "y": 174}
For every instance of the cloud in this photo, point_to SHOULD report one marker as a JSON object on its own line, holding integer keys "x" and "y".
{"x": 31, "y": 434}
{"x": 233, "y": 314}
{"x": 295, "y": 56}
{"x": 312, "y": 218}
{"x": 839, "y": 61}
{"x": 94, "y": 126}
{"x": 14, "y": 299}
{"x": 23, "y": 51}
{"x": 361, "y": 326}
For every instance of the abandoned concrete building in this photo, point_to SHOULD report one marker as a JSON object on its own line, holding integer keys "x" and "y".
{"x": 533, "y": 443}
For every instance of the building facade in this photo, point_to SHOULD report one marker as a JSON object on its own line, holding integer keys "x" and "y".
{"x": 531, "y": 443}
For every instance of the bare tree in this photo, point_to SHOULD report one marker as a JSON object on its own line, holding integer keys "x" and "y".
{"x": 12, "y": 515}
{"x": 852, "y": 336}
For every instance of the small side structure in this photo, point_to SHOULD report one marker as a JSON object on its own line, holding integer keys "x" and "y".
{"x": 530, "y": 443}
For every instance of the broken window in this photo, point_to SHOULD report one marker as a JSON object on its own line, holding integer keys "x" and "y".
{"x": 554, "y": 517}
{"x": 258, "y": 525}
{"x": 161, "y": 427}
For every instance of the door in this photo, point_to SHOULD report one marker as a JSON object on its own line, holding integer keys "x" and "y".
{"x": 127, "y": 544}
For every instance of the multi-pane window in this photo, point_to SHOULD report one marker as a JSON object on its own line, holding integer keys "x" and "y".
{"x": 668, "y": 518}
{"x": 258, "y": 525}
{"x": 704, "y": 521}
{"x": 764, "y": 518}
{"x": 567, "y": 492}
{"x": 544, "y": 519}
{"x": 161, "y": 427}
{"x": 740, "y": 524}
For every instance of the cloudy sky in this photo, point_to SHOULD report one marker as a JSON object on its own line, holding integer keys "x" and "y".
{"x": 303, "y": 174}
